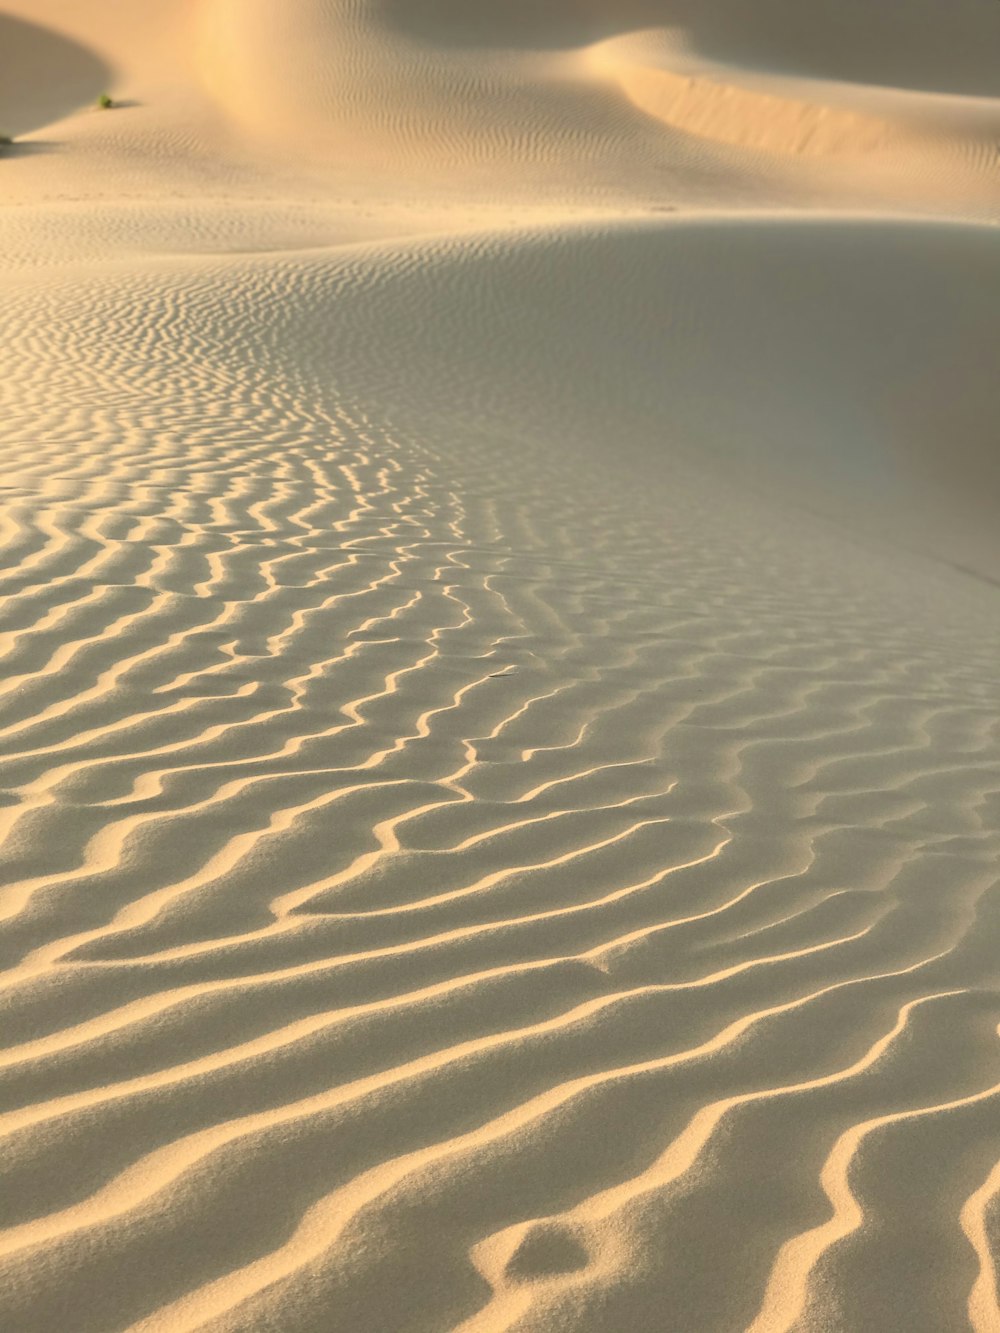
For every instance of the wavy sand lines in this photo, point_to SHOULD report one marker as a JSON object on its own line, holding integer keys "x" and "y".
{"x": 500, "y": 798}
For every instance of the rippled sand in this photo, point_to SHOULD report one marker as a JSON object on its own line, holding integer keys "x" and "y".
{"x": 501, "y": 712}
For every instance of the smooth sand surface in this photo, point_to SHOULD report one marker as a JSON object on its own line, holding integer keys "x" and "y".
{"x": 500, "y": 519}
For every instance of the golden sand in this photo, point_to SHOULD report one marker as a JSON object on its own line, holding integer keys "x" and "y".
{"x": 500, "y": 520}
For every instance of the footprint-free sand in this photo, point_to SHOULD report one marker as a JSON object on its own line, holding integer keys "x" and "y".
{"x": 500, "y": 719}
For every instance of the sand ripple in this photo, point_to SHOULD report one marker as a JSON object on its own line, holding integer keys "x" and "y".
{"x": 501, "y": 766}
{"x": 420, "y": 877}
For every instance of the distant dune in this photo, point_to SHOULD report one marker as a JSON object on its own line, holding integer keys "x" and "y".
{"x": 501, "y": 619}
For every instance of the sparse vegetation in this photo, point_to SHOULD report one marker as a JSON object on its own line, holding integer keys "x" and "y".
{"x": 6, "y": 141}
{"x": 105, "y": 102}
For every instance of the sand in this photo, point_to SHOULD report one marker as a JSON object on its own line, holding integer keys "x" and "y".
{"x": 500, "y": 609}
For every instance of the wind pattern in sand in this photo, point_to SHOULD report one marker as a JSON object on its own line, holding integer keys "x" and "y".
{"x": 478, "y": 854}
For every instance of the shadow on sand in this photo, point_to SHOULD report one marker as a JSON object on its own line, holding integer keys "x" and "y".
{"x": 45, "y": 77}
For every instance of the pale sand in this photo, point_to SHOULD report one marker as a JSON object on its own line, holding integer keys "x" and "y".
{"x": 501, "y": 720}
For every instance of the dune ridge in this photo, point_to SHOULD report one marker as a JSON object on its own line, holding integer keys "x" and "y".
{"x": 501, "y": 798}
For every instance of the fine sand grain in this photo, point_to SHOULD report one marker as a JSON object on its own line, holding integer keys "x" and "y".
{"x": 501, "y": 619}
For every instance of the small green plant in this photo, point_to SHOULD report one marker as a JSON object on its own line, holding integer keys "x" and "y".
{"x": 105, "y": 102}
{"x": 6, "y": 141}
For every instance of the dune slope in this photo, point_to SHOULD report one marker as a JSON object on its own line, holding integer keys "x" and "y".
{"x": 500, "y": 612}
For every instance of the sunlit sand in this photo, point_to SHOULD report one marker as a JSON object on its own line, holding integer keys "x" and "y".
{"x": 501, "y": 619}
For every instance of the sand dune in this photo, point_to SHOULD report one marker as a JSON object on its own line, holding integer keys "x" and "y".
{"x": 501, "y": 800}
{"x": 45, "y": 76}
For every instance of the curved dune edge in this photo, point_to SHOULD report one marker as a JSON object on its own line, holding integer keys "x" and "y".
{"x": 498, "y": 605}
{"x": 46, "y": 76}
{"x": 386, "y": 98}
{"x": 714, "y": 106}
